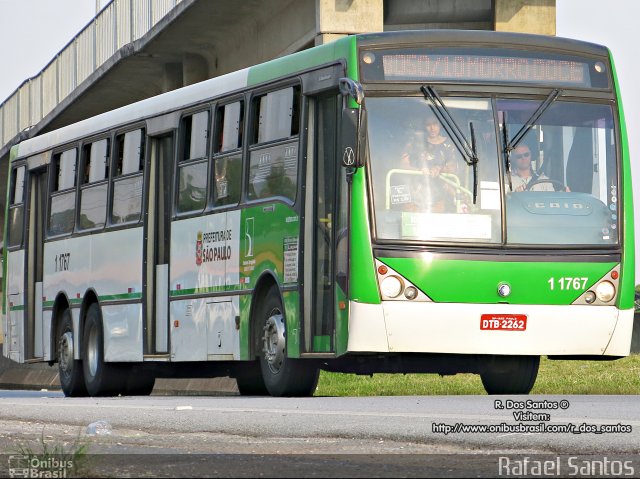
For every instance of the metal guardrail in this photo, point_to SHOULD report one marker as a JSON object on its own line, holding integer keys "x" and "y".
{"x": 119, "y": 23}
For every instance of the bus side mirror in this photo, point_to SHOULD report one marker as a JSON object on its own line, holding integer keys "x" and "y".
{"x": 349, "y": 137}
{"x": 353, "y": 137}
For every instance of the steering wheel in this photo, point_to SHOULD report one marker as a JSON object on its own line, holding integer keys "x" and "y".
{"x": 555, "y": 184}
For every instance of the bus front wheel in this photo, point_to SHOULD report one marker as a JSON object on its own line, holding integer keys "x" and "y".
{"x": 510, "y": 374}
{"x": 69, "y": 369}
{"x": 250, "y": 381}
{"x": 283, "y": 376}
{"x": 102, "y": 379}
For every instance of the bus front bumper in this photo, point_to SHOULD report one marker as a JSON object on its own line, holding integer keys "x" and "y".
{"x": 424, "y": 327}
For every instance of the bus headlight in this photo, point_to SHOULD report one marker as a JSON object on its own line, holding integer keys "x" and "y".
{"x": 391, "y": 286}
{"x": 410, "y": 292}
{"x": 605, "y": 291}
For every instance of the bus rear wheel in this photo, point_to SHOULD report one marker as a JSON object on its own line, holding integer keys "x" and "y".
{"x": 139, "y": 382}
{"x": 250, "y": 381}
{"x": 283, "y": 376}
{"x": 510, "y": 374}
{"x": 69, "y": 369}
{"x": 102, "y": 379}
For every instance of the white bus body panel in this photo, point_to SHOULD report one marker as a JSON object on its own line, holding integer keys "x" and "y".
{"x": 110, "y": 263}
{"x": 14, "y": 324}
{"x": 205, "y": 255}
{"x": 205, "y": 329}
{"x": 46, "y": 336}
{"x": 212, "y": 263}
{"x": 162, "y": 305}
{"x": 402, "y": 327}
{"x": 122, "y": 332}
{"x": 38, "y": 328}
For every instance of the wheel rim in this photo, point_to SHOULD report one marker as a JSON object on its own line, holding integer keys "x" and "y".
{"x": 92, "y": 351}
{"x": 273, "y": 341}
{"x": 66, "y": 353}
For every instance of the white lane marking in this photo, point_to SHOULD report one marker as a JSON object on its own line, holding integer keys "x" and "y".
{"x": 456, "y": 417}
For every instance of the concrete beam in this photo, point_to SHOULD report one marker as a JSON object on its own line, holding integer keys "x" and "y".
{"x": 450, "y": 13}
{"x": 526, "y": 16}
{"x": 349, "y": 16}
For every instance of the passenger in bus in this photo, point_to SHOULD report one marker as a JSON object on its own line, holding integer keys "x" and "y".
{"x": 522, "y": 172}
{"x": 434, "y": 155}
{"x": 431, "y": 145}
{"x": 431, "y": 193}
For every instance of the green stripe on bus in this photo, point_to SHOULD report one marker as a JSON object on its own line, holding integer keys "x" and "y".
{"x": 628, "y": 268}
{"x": 283, "y": 66}
{"x": 123, "y": 296}
{"x": 461, "y": 281}
{"x": 19, "y": 307}
{"x": 204, "y": 290}
{"x": 105, "y": 297}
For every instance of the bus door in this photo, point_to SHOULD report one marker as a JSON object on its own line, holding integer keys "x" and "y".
{"x": 326, "y": 234}
{"x": 36, "y": 202}
{"x": 157, "y": 240}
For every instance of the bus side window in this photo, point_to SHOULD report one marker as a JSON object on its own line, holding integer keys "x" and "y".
{"x": 193, "y": 164}
{"x": 227, "y": 159}
{"x": 63, "y": 195}
{"x": 93, "y": 191}
{"x": 16, "y": 207}
{"x": 273, "y": 161}
{"x": 128, "y": 155}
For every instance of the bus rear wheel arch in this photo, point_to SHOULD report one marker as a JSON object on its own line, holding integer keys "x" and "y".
{"x": 282, "y": 376}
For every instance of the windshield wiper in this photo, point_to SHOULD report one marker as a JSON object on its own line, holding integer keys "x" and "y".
{"x": 509, "y": 146}
{"x": 505, "y": 147}
{"x": 466, "y": 149}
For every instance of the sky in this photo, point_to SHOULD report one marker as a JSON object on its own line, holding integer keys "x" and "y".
{"x": 33, "y": 31}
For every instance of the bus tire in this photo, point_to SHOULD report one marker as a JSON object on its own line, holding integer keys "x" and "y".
{"x": 69, "y": 369}
{"x": 250, "y": 381}
{"x": 511, "y": 374}
{"x": 139, "y": 382}
{"x": 102, "y": 379}
{"x": 283, "y": 376}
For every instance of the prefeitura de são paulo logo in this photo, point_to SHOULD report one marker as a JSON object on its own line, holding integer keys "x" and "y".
{"x": 213, "y": 246}
{"x": 199, "y": 249}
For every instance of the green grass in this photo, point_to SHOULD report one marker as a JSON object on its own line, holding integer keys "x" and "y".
{"x": 554, "y": 377}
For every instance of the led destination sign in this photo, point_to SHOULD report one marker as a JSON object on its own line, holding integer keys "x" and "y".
{"x": 486, "y": 66}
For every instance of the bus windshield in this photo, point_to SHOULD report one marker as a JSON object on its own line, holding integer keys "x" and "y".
{"x": 558, "y": 184}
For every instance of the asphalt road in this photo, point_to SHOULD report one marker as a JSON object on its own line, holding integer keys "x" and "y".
{"x": 371, "y": 436}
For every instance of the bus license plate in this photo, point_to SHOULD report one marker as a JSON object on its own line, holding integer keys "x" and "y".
{"x": 503, "y": 322}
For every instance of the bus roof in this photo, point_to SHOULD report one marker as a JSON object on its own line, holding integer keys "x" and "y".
{"x": 480, "y": 38}
{"x": 238, "y": 80}
{"x": 184, "y": 97}
{"x": 138, "y": 111}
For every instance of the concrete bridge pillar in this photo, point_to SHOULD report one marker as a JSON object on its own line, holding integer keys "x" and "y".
{"x": 525, "y": 16}
{"x": 195, "y": 68}
{"x": 172, "y": 78}
{"x": 338, "y": 18}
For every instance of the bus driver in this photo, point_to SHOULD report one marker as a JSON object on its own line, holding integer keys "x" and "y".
{"x": 523, "y": 174}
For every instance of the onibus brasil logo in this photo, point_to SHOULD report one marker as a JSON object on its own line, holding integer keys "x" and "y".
{"x": 32, "y": 466}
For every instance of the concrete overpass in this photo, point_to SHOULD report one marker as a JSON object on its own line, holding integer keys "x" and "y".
{"x": 134, "y": 49}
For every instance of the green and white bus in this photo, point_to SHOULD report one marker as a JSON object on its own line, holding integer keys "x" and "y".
{"x": 426, "y": 201}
